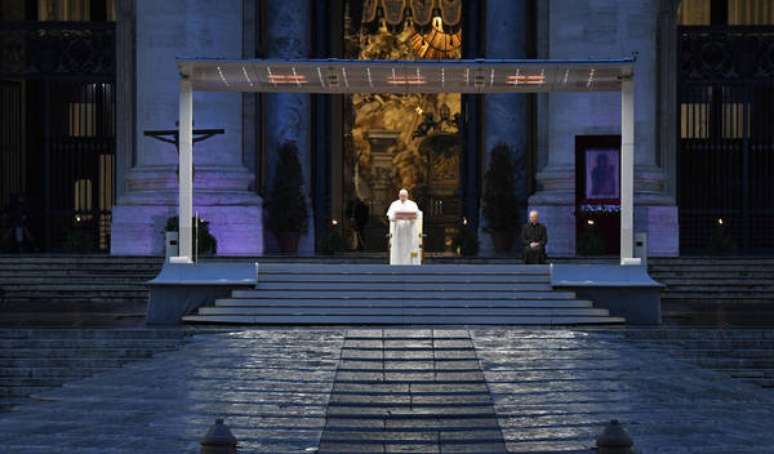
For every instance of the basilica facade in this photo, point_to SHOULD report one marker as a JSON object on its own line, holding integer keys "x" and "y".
{"x": 82, "y": 123}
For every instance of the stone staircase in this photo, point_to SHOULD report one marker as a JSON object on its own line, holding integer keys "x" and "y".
{"x": 380, "y": 294}
{"x": 716, "y": 290}
{"x": 84, "y": 289}
{"x": 32, "y": 360}
{"x": 745, "y": 354}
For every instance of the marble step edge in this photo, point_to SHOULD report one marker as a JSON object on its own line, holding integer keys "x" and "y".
{"x": 403, "y": 311}
{"x": 345, "y": 287}
{"x": 387, "y": 302}
{"x": 402, "y": 294}
{"x": 398, "y": 320}
{"x": 407, "y": 279}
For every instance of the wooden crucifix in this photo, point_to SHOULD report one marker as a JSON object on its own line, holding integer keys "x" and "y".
{"x": 173, "y": 136}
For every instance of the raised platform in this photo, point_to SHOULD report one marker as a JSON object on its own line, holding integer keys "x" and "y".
{"x": 438, "y": 294}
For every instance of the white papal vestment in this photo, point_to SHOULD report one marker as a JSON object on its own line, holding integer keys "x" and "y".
{"x": 405, "y": 235}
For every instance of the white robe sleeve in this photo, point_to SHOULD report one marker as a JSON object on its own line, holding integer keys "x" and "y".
{"x": 391, "y": 211}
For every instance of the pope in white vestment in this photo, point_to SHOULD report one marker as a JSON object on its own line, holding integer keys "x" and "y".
{"x": 405, "y": 234}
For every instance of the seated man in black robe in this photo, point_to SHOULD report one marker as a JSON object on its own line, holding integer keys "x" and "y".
{"x": 534, "y": 238}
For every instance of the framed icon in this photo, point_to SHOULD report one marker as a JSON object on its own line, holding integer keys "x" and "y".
{"x": 603, "y": 170}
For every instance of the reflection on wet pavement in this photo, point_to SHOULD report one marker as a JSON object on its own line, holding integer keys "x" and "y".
{"x": 411, "y": 390}
{"x": 554, "y": 390}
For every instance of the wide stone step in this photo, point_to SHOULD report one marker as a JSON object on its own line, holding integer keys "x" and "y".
{"x": 405, "y": 278}
{"x": 716, "y": 344}
{"x": 403, "y": 294}
{"x": 727, "y": 353}
{"x": 712, "y": 292}
{"x": 63, "y": 373}
{"x": 698, "y": 294}
{"x": 36, "y": 382}
{"x": 95, "y": 286}
{"x": 712, "y": 268}
{"x": 757, "y": 273}
{"x": 74, "y": 363}
{"x": 666, "y": 261}
{"x": 402, "y": 320}
{"x": 700, "y": 334}
{"x": 345, "y": 286}
{"x": 96, "y": 267}
{"x": 105, "y": 296}
{"x": 472, "y": 303}
{"x": 402, "y": 311}
{"x": 85, "y": 344}
{"x": 92, "y": 334}
{"x": 117, "y": 307}
{"x": 72, "y": 278}
{"x": 716, "y": 282}
{"x": 735, "y": 363}
{"x": 429, "y": 269}
{"x": 85, "y": 352}
{"x": 19, "y": 391}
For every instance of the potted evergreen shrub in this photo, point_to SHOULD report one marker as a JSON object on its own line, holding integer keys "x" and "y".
{"x": 466, "y": 242}
{"x": 287, "y": 210}
{"x": 500, "y": 206}
{"x": 331, "y": 242}
{"x": 207, "y": 244}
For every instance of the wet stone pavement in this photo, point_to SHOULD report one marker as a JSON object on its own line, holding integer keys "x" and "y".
{"x": 329, "y": 390}
{"x": 410, "y": 391}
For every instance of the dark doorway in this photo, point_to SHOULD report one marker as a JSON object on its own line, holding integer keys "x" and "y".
{"x": 597, "y": 194}
{"x": 726, "y": 140}
{"x": 57, "y": 129}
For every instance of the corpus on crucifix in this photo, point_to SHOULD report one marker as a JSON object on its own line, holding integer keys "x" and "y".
{"x": 405, "y": 231}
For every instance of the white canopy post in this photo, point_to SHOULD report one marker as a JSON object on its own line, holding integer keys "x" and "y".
{"x": 627, "y": 169}
{"x": 185, "y": 177}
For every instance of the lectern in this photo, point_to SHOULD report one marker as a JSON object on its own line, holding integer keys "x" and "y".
{"x": 406, "y": 238}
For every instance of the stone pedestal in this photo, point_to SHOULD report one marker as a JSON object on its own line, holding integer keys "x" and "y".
{"x": 609, "y": 29}
{"x": 223, "y": 188}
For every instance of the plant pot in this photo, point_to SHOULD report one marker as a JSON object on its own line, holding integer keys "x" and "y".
{"x": 502, "y": 241}
{"x": 288, "y": 242}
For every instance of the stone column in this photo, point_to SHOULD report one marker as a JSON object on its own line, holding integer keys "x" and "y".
{"x": 506, "y": 117}
{"x": 288, "y": 115}
{"x": 608, "y": 30}
{"x": 164, "y": 31}
{"x": 125, "y": 91}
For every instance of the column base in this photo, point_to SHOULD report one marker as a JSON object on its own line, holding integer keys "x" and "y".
{"x": 661, "y": 223}
{"x": 138, "y": 229}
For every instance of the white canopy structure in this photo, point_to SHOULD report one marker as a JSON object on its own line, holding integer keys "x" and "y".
{"x": 479, "y": 76}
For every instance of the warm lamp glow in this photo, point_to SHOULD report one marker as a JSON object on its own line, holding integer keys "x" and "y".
{"x": 287, "y": 79}
{"x": 537, "y": 79}
{"x": 406, "y": 80}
